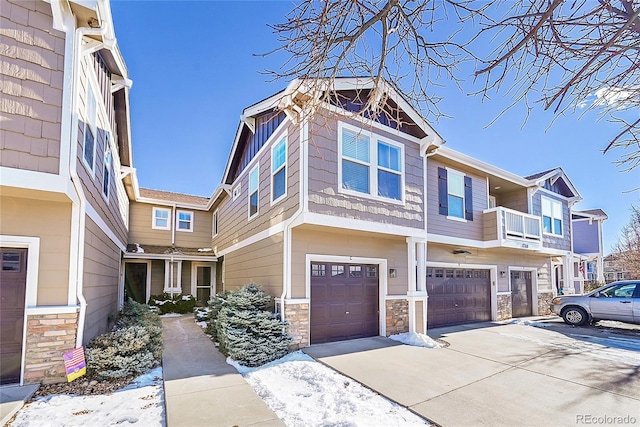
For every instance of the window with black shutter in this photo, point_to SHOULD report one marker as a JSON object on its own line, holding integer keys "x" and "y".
{"x": 455, "y": 194}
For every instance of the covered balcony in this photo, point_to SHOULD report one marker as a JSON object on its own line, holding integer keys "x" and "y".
{"x": 510, "y": 228}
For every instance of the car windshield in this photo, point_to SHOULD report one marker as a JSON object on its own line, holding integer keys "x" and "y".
{"x": 624, "y": 290}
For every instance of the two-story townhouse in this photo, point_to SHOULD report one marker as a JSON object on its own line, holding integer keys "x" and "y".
{"x": 328, "y": 214}
{"x": 499, "y": 245}
{"x": 169, "y": 248}
{"x": 65, "y": 163}
{"x": 587, "y": 246}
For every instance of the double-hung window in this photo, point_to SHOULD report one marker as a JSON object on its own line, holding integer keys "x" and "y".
{"x": 254, "y": 182}
{"x": 161, "y": 219}
{"x": 371, "y": 165}
{"x": 108, "y": 159}
{"x": 455, "y": 194}
{"x": 214, "y": 227}
{"x": 279, "y": 170}
{"x": 184, "y": 221}
{"x": 551, "y": 216}
{"x": 89, "y": 146}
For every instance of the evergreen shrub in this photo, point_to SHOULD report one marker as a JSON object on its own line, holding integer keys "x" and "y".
{"x": 246, "y": 329}
{"x": 167, "y": 303}
{"x": 133, "y": 346}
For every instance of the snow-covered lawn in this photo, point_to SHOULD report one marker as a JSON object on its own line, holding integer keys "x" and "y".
{"x": 141, "y": 403}
{"x": 303, "y": 392}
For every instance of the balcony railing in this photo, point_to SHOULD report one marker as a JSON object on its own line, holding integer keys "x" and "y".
{"x": 512, "y": 228}
{"x": 518, "y": 224}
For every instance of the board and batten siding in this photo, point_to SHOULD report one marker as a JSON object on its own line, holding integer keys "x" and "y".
{"x": 32, "y": 57}
{"x": 348, "y": 244}
{"x": 503, "y": 258}
{"x": 549, "y": 240}
{"x": 51, "y": 222}
{"x": 141, "y": 228}
{"x": 259, "y": 263}
{"x": 439, "y": 224}
{"x": 234, "y": 224}
{"x": 586, "y": 237}
{"x": 324, "y": 192}
{"x": 100, "y": 279}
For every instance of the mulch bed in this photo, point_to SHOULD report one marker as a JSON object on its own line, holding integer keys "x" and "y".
{"x": 85, "y": 386}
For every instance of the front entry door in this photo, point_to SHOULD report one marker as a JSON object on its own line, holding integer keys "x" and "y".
{"x": 521, "y": 296}
{"x": 13, "y": 285}
{"x": 135, "y": 281}
{"x": 203, "y": 284}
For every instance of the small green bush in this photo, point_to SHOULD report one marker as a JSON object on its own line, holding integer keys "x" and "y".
{"x": 215, "y": 305}
{"x": 247, "y": 331}
{"x": 173, "y": 304}
{"x": 133, "y": 346}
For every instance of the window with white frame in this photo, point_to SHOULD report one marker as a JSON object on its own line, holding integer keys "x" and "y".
{"x": 551, "y": 216}
{"x": 455, "y": 193}
{"x": 254, "y": 182}
{"x": 91, "y": 117}
{"x": 184, "y": 221}
{"x": 279, "y": 170}
{"x": 161, "y": 219}
{"x": 108, "y": 160}
{"x": 214, "y": 227}
{"x": 370, "y": 165}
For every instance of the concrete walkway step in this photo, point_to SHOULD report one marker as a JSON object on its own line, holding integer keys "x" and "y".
{"x": 201, "y": 389}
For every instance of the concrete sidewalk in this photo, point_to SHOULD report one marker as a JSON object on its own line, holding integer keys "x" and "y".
{"x": 13, "y": 398}
{"x": 201, "y": 389}
{"x": 494, "y": 375}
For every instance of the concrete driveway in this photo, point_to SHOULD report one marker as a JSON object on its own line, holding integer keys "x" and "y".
{"x": 495, "y": 374}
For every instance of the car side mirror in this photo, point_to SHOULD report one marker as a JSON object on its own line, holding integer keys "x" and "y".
{"x": 596, "y": 295}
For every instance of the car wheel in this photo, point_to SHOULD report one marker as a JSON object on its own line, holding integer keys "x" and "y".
{"x": 575, "y": 316}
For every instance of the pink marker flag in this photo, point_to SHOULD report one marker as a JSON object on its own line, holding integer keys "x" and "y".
{"x": 74, "y": 363}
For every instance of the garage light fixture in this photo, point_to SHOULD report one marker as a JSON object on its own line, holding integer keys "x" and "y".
{"x": 461, "y": 251}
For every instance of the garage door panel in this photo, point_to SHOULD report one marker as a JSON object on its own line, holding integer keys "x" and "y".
{"x": 462, "y": 297}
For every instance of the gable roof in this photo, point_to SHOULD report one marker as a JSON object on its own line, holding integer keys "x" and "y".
{"x": 167, "y": 196}
{"x": 591, "y": 213}
{"x": 554, "y": 175}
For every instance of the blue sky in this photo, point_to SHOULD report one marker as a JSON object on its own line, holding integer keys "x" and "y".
{"x": 195, "y": 68}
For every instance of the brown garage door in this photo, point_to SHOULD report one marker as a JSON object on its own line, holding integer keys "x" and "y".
{"x": 13, "y": 276}
{"x": 458, "y": 296}
{"x": 344, "y": 301}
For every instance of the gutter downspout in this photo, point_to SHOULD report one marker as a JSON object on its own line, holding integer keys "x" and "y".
{"x": 75, "y": 179}
{"x": 286, "y": 282}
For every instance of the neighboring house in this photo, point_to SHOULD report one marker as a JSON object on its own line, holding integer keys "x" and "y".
{"x": 614, "y": 270}
{"x": 587, "y": 245}
{"x": 65, "y": 185}
{"x": 169, "y": 246}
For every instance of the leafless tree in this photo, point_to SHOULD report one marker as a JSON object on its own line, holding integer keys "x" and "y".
{"x": 627, "y": 250}
{"x": 572, "y": 56}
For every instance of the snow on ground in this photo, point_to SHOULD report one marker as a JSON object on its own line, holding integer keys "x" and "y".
{"x": 140, "y": 403}
{"x": 415, "y": 339}
{"x": 169, "y": 314}
{"x": 203, "y": 325}
{"x": 527, "y": 323}
{"x": 303, "y": 392}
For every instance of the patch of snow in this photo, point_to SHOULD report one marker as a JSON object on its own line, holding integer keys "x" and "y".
{"x": 139, "y": 403}
{"x": 415, "y": 339}
{"x": 527, "y": 323}
{"x": 161, "y": 302}
{"x": 139, "y": 249}
{"x": 303, "y": 392}
{"x": 171, "y": 315}
{"x": 205, "y": 250}
{"x": 187, "y": 297}
{"x": 203, "y": 325}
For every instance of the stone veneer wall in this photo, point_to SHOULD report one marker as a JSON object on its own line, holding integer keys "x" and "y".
{"x": 504, "y": 307}
{"x": 298, "y": 317}
{"x": 397, "y": 316}
{"x": 544, "y": 302}
{"x": 48, "y": 337}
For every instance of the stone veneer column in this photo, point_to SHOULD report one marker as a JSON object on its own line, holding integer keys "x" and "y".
{"x": 544, "y": 303}
{"x": 48, "y": 337}
{"x": 397, "y": 316}
{"x": 504, "y": 307}
{"x": 297, "y": 315}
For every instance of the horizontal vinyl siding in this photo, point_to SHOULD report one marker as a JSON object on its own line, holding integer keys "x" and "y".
{"x": 439, "y": 224}
{"x": 324, "y": 195}
{"x": 233, "y": 223}
{"x": 100, "y": 280}
{"x": 502, "y": 257}
{"x": 326, "y": 242}
{"x": 516, "y": 200}
{"x": 157, "y": 277}
{"x": 51, "y": 222}
{"x": 259, "y": 263}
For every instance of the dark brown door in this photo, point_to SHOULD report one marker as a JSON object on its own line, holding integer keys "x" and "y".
{"x": 344, "y": 302}
{"x": 13, "y": 285}
{"x": 458, "y": 296}
{"x": 135, "y": 281}
{"x": 521, "y": 303}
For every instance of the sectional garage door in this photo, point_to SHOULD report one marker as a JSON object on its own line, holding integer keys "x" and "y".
{"x": 458, "y": 296}
{"x": 344, "y": 301}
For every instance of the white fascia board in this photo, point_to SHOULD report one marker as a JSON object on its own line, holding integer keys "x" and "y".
{"x": 358, "y": 225}
{"x": 234, "y": 147}
{"x": 169, "y": 203}
{"x": 262, "y": 106}
{"x": 175, "y": 257}
{"x": 483, "y": 166}
{"x": 32, "y": 180}
{"x": 218, "y": 192}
